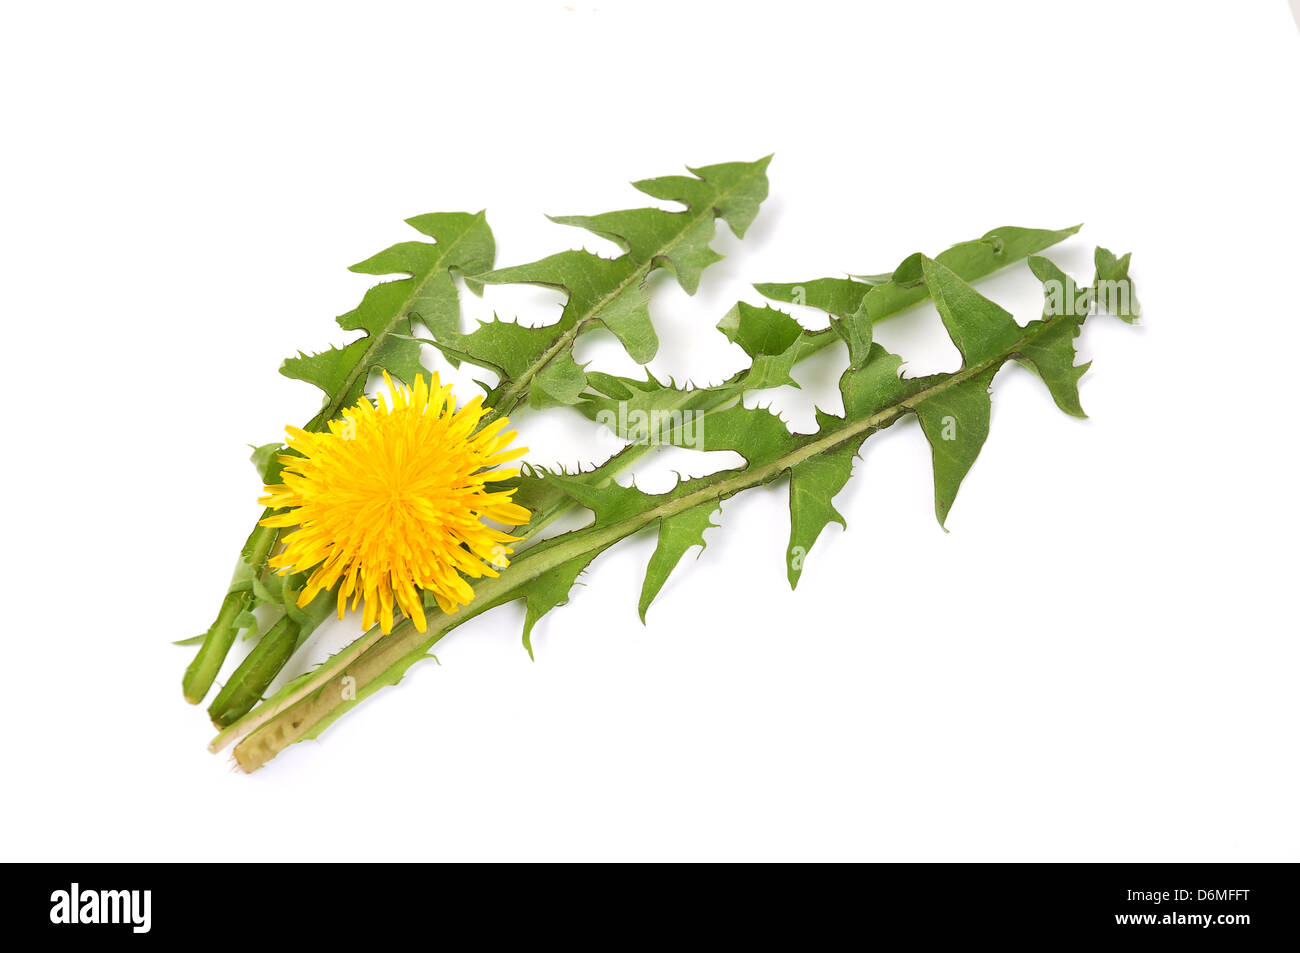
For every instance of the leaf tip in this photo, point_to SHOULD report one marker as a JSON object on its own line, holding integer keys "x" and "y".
{"x": 941, "y": 511}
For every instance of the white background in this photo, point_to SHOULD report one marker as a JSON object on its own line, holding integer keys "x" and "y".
{"x": 1098, "y": 662}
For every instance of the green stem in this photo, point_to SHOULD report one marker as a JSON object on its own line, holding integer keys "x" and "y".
{"x": 216, "y": 644}
{"x": 260, "y": 543}
{"x": 239, "y": 598}
{"x": 251, "y": 679}
{"x": 249, "y": 682}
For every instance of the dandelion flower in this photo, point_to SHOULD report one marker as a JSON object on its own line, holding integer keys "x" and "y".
{"x": 392, "y": 501}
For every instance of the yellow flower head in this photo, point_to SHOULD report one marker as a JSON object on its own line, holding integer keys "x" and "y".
{"x": 392, "y": 501}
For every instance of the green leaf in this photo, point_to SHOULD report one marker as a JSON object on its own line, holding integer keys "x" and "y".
{"x": 1051, "y": 354}
{"x": 774, "y": 341}
{"x": 855, "y": 330}
{"x": 651, "y": 413}
{"x": 677, "y": 535}
{"x": 760, "y": 331}
{"x": 1113, "y": 287}
{"x": 611, "y": 293}
{"x": 508, "y": 349}
{"x": 953, "y": 410}
{"x": 606, "y": 291}
{"x": 956, "y": 422}
{"x": 813, "y": 484}
{"x": 546, "y": 499}
{"x": 732, "y": 191}
{"x": 266, "y": 459}
{"x": 885, "y": 295}
{"x": 980, "y": 329}
{"x": 549, "y": 590}
{"x": 561, "y": 382}
{"x": 463, "y": 243}
{"x": 644, "y": 233}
